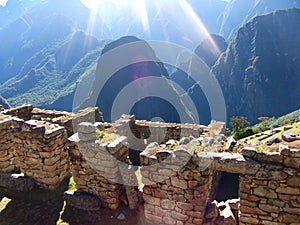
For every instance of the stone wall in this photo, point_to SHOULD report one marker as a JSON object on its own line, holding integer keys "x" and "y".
{"x": 97, "y": 167}
{"x": 272, "y": 194}
{"x": 177, "y": 187}
{"x": 7, "y": 153}
{"x": 139, "y": 133}
{"x": 23, "y": 112}
{"x": 41, "y": 151}
{"x": 68, "y": 120}
{"x": 269, "y": 187}
{"x": 179, "y": 181}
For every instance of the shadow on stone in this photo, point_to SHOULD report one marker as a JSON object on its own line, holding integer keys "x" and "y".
{"x": 38, "y": 206}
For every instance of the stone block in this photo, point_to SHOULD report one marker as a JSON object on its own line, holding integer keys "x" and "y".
{"x": 180, "y": 183}
{"x": 83, "y": 201}
{"x": 168, "y": 204}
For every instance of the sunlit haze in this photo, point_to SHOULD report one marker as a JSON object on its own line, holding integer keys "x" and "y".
{"x": 3, "y": 2}
{"x": 95, "y": 3}
{"x": 149, "y": 19}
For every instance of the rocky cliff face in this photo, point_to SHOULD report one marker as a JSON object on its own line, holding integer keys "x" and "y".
{"x": 239, "y": 12}
{"x": 208, "y": 51}
{"x": 260, "y": 71}
{"x": 211, "y": 48}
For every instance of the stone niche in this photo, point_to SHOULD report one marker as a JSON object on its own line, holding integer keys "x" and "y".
{"x": 41, "y": 151}
{"x": 100, "y": 167}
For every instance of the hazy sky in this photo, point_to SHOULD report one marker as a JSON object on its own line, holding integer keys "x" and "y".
{"x": 89, "y": 3}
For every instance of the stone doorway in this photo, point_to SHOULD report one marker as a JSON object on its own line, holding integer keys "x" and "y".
{"x": 228, "y": 186}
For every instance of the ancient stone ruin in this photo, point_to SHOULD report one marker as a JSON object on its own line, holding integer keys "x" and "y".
{"x": 173, "y": 172}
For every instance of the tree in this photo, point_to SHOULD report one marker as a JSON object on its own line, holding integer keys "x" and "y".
{"x": 239, "y": 125}
{"x": 264, "y": 125}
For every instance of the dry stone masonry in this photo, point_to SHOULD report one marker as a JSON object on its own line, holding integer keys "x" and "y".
{"x": 96, "y": 166}
{"x": 177, "y": 193}
{"x": 41, "y": 151}
{"x": 179, "y": 173}
{"x": 272, "y": 194}
{"x": 7, "y": 145}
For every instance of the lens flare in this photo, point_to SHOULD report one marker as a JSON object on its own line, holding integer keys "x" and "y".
{"x": 192, "y": 15}
{"x": 141, "y": 10}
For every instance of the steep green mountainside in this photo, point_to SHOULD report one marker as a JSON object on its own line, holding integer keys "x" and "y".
{"x": 290, "y": 118}
{"x": 239, "y": 12}
{"x": 44, "y": 53}
{"x": 48, "y": 47}
{"x": 260, "y": 71}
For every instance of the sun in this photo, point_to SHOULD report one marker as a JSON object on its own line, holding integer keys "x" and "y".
{"x": 95, "y": 3}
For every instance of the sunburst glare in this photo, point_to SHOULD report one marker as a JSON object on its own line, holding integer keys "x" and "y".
{"x": 147, "y": 19}
{"x": 197, "y": 23}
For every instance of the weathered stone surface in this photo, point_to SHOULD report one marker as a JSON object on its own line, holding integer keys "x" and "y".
{"x": 235, "y": 163}
{"x": 248, "y": 152}
{"x": 290, "y": 136}
{"x": 292, "y": 162}
{"x": 151, "y": 145}
{"x": 180, "y": 183}
{"x": 288, "y": 190}
{"x": 273, "y": 141}
{"x": 294, "y": 181}
{"x": 86, "y": 128}
{"x": 179, "y": 216}
{"x": 264, "y": 192}
{"x": 151, "y": 200}
{"x": 169, "y": 220}
{"x": 83, "y": 201}
{"x": 87, "y": 137}
{"x": 271, "y": 175}
{"x": 153, "y": 219}
{"x": 268, "y": 208}
{"x": 163, "y": 154}
{"x": 16, "y": 182}
{"x": 212, "y": 210}
{"x": 182, "y": 153}
{"x": 185, "y": 140}
{"x": 287, "y": 218}
{"x": 168, "y": 204}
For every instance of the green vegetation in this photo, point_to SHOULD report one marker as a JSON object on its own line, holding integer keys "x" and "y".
{"x": 267, "y": 123}
{"x": 263, "y": 125}
{"x": 261, "y": 148}
{"x": 194, "y": 149}
{"x": 105, "y": 137}
{"x": 100, "y": 134}
{"x": 72, "y": 185}
{"x": 239, "y": 125}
